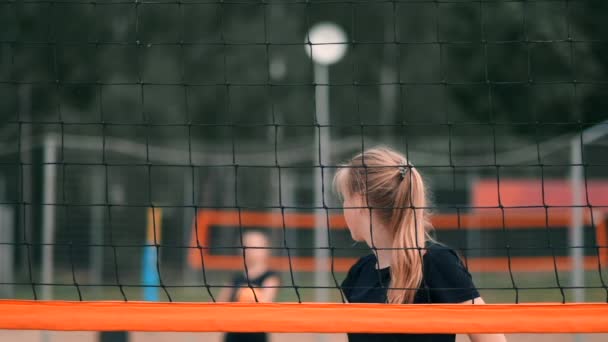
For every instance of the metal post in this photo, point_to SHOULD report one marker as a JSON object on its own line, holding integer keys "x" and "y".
{"x": 25, "y": 160}
{"x": 7, "y": 246}
{"x": 48, "y": 215}
{"x": 48, "y": 220}
{"x": 577, "y": 232}
{"x": 97, "y": 224}
{"x": 188, "y": 276}
{"x": 473, "y": 236}
{"x": 577, "y": 229}
{"x": 322, "y": 154}
{"x": 290, "y": 199}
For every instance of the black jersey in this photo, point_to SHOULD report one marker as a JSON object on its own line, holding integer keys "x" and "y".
{"x": 242, "y": 292}
{"x": 242, "y": 286}
{"x": 445, "y": 280}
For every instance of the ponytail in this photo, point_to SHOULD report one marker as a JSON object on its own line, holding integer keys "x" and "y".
{"x": 408, "y": 226}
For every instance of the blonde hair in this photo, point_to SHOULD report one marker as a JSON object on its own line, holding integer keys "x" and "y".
{"x": 395, "y": 195}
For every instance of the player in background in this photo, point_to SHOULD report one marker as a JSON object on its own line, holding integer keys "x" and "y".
{"x": 258, "y": 283}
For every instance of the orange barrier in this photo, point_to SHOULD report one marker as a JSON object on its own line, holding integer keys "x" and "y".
{"x": 291, "y": 318}
{"x": 488, "y": 219}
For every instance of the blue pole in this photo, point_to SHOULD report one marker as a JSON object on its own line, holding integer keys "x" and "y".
{"x": 150, "y": 276}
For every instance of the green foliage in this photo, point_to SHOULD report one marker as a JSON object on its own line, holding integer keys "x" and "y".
{"x": 210, "y": 63}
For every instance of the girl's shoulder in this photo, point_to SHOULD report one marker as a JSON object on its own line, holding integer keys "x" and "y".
{"x": 361, "y": 265}
{"x": 241, "y": 278}
{"x": 356, "y": 272}
{"x": 271, "y": 274}
{"x": 447, "y": 276}
{"x": 365, "y": 261}
{"x": 436, "y": 251}
{"x": 440, "y": 256}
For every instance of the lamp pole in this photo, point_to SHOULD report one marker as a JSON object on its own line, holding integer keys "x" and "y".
{"x": 326, "y": 44}
{"x": 48, "y": 221}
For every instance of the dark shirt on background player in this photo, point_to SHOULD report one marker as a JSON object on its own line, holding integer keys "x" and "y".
{"x": 242, "y": 292}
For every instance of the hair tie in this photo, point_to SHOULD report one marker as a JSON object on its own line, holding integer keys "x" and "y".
{"x": 402, "y": 171}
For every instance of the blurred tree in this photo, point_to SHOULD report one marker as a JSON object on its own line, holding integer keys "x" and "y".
{"x": 210, "y": 63}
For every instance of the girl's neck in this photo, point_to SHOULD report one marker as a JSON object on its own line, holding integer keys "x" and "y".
{"x": 382, "y": 245}
{"x": 255, "y": 271}
{"x": 384, "y": 257}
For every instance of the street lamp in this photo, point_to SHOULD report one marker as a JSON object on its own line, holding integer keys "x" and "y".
{"x": 326, "y": 44}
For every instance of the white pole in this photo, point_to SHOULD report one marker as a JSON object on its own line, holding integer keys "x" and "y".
{"x": 325, "y": 45}
{"x": 48, "y": 221}
{"x": 7, "y": 247}
{"x": 7, "y": 290}
{"x": 189, "y": 213}
{"x": 289, "y": 199}
{"x": 322, "y": 136}
{"x": 26, "y": 209}
{"x": 577, "y": 182}
{"x": 97, "y": 225}
{"x": 473, "y": 236}
{"x": 48, "y": 215}
{"x": 577, "y": 234}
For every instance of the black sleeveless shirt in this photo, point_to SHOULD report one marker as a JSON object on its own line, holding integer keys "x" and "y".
{"x": 445, "y": 280}
{"x": 242, "y": 285}
{"x": 242, "y": 292}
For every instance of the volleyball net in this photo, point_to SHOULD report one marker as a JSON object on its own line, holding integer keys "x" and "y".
{"x": 141, "y": 140}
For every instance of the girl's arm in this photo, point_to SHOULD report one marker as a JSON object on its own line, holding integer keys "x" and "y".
{"x": 484, "y": 337}
{"x": 224, "y": 295}
{"x": 268, "y": 292}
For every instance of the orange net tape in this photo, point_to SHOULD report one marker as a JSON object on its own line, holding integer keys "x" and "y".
{"x": 288, "y": 318}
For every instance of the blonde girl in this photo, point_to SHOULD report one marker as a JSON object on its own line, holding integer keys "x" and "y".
{"x": 385, "y": 206}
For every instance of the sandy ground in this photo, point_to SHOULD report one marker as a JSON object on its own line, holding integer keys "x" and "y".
{"x": 37, "y": 336}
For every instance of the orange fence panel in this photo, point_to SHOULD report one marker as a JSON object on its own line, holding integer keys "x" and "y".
{"x": 199, "y": 255}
